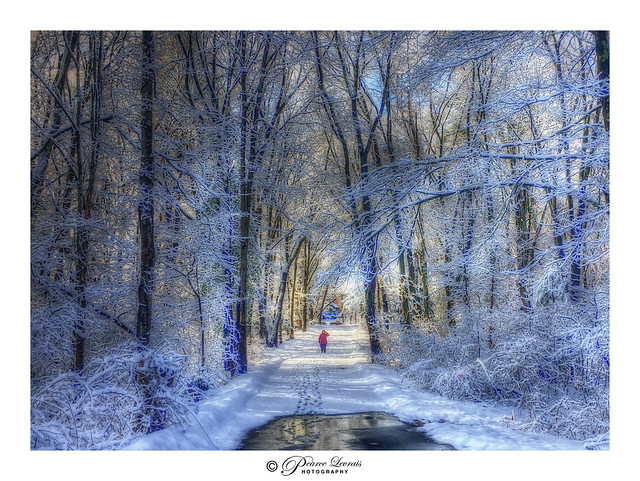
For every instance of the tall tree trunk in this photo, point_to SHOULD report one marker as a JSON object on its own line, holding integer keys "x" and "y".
{"x": 196, "y": 291}
{"x": 84, "y": 198}
{"x": 229, "y": 325}
{"x": 292, "y": 303}
{"x": 262, "y": 301}
{"x": 383, "y": 301}
{"x": 150, "y": 418}
{"x": 284, "y": 276}
{"x": 146, "y": 205}
{"x": 554, "y": 48}
{"x": 524, "y": 225}
{"x": 324, "y": 299}
{"x": 245, "y": 216}
{"x": 82, "y": 240}
{"x": 427, "y": 310}
{"x": 306, "y": 279}
{"x": 403, "y": 285}
{"x": 578, "y": 222}
{"x": 602, "y": 58}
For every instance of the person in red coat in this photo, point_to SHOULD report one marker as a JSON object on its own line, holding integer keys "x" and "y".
{"x": 323, "y": 341}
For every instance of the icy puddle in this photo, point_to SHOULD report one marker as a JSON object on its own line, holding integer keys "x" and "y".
{"x": 339, "y": 432}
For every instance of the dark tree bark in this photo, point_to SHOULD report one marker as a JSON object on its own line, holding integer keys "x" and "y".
{"x": 284, "y": 276}
{"x": 292, "y": 302}
{"x": 602, "y": 58}
{"x": 307, "y": 273}
{"x": 85, "y": 198}
{"x": 245, "y": 216}
{"x": 146, "y": 205}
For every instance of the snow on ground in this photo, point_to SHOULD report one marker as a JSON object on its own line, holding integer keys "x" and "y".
{"x": 296, "y": 378}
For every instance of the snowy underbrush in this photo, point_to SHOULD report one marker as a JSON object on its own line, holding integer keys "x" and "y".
{"x": 128, "y": 393}
{"x": 552, "y": 367}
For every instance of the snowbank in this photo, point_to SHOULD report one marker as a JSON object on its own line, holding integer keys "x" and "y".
{"x": 296, "y": 378}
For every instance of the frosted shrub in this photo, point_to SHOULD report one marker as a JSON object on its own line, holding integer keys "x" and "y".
{"x": 129, "y": 392}
{"x": 51, "y": 341}
{"x": 422, "y": 373}
{"x": 460, "y": 383}
{"x": 552, "y": 366}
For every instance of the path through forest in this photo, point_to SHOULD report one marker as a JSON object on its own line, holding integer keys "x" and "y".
{"x": 296, "y": 378}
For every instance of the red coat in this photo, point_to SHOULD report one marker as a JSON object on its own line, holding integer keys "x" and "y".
{"x": 323, "y": 338}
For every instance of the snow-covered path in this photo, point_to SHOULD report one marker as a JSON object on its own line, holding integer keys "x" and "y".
{"x": 297, "y": 379}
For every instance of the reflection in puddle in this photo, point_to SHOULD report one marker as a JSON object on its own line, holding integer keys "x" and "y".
{"x": 343, "y": 432}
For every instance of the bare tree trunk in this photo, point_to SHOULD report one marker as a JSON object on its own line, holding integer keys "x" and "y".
{"x": 306, "y": 279}
{"x": 84, "y": 199}
{"x": 146, "y": 207}
{"x": 282, "y": 290}
{"x": 82, "y": 241}
{"x": 324, "y": 299}
{"x": 602, "y": 58}
{"x": 403, "y": 285}
{"x": 292, "y": 302}
{"x": 149, "y": 418}
{"x": 423, "y": 270}
{"x": 245, "y": 216}
{"x": 196, "y": 291}
{"x": 524, "y": 225}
